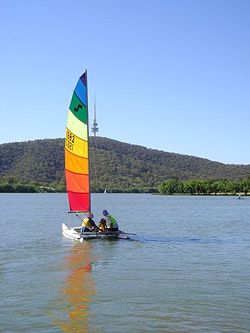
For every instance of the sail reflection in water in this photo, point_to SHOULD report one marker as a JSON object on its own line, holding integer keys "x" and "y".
{"x": 78, "y": 290}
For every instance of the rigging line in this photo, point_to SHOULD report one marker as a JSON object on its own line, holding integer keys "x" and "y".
{"x": 111, "y": 201}
{"x": 95, "y": 166}
{"x": 93, "y": 160}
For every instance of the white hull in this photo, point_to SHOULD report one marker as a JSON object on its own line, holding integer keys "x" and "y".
{"x": 75, "y": 234}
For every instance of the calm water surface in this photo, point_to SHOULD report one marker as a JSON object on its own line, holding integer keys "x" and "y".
{"x": 186, "y": 270}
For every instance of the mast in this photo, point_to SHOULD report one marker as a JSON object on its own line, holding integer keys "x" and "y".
{"x": 87, "y": 107}
{"x": 95, "y": 128}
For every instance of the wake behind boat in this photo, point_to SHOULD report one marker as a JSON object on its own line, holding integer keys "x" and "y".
{"x": 77, "y": 165}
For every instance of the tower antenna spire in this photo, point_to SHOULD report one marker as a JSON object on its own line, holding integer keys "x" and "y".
{"x": 95, "y": 128}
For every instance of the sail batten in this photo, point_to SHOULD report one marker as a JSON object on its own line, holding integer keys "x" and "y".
{"x": 77, "y": 149}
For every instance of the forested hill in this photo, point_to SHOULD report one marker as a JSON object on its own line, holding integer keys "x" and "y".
{"x": 114, "y": 164}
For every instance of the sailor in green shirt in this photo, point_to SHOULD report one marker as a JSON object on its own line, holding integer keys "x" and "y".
{"x": 112, "y": 225}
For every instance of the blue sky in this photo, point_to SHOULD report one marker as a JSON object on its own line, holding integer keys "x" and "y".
{"x": 167, "y": 74}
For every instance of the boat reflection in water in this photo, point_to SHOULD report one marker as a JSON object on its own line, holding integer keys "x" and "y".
{"x": 77, "y": 291}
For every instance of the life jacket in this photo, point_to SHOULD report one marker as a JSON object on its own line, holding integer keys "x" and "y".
{"x": 88, "y": 223}
{"x": 113, "y": 222}
{"x": 102, "y": 225}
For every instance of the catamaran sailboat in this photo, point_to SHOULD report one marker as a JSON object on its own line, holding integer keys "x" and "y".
{"x": 77, "y": 163}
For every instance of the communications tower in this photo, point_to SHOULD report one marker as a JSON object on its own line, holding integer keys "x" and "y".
{"x": 95, "y": 128}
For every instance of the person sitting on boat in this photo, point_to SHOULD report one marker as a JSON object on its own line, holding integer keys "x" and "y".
{"x": 112, "y": 225}
{"x": 88, "y": 224}
{"x": 102, "y": 225}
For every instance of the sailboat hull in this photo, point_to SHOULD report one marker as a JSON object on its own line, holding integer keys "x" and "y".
{"x": 75, "y": 234}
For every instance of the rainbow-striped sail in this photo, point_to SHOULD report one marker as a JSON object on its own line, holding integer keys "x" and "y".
{"x": 77, "y": 148}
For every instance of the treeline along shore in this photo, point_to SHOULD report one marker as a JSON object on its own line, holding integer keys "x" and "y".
{"x": 206, "y": 187}
{"x": 38, "y": 166}
{"x": 169, "y": 187}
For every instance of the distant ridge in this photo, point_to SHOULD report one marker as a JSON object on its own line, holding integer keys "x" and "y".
{"x": 114, "y": 164}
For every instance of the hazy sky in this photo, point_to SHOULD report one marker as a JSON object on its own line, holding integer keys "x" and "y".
{"x": 167, "y": 74}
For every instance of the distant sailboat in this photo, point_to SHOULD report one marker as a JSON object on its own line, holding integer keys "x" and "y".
{"x": 77, "y": 162}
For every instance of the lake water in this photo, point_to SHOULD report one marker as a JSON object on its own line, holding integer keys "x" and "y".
{"x": 186, "y": 270}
